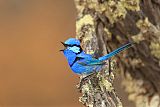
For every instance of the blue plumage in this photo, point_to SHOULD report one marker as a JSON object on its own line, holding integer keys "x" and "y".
{"x": 82, "y": 63}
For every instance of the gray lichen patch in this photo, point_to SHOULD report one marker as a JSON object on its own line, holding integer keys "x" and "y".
{"x": 143, "y": 25}
{"x": 131, "y": 4}
{"x": 115, "y": 11}
{"x": 146, "y": 26}
{"x": 133, "y": 86}
{"x": 137, "y": 93}
{"x": 155, "y": 48}
{"x": 135, "y": 90}
{"x": 119, "y": 38}
{"x": 136, "y": 62}
{"x": 108, "y": 33}
{"x": 85, "y": 31}
{"x": 86, "y": 88}
{"x": 138, "y": 38}
{"x": 85, "y": 20}
{"x": 106, "y": 84}
{"x": 87, "y": 91}
{"x": 155, "y": 101}
{"x": 155, "y": 44}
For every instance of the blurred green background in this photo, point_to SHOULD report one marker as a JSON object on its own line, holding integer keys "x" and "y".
{"x": 33, "y": 73}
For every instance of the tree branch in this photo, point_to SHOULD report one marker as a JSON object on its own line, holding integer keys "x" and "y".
{"x": 97, "y": 89}
{"x": 104, "y": 25}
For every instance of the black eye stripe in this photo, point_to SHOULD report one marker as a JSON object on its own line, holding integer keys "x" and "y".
{"x": 73, "y": 45}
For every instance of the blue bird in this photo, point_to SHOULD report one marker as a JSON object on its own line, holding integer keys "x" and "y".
{"x": 82, "y": 63}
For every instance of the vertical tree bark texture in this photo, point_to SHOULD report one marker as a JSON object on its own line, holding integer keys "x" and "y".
{"x": 104, "y": 25}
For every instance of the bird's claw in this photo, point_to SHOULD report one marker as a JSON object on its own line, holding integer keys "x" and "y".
{"x": 83, "y": 80}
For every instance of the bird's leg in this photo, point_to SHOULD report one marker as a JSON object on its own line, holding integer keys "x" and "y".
{"x": 83, "y": 78}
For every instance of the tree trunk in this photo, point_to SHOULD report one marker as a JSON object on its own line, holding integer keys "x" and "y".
{"x": 104, "y": 25}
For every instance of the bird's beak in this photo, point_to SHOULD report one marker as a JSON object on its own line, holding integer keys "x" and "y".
{"x": 64, "y": 46}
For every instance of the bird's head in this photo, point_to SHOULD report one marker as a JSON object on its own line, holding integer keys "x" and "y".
{"x": 73, "y": 45}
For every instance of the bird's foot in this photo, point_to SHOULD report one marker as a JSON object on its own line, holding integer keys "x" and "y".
{"x": 83, "y": 79}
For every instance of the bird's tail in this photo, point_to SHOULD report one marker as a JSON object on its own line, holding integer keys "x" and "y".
{"x": 126, "y": 46}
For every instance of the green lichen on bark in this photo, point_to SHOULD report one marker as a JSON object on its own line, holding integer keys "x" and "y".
{"x": 131, "y": 4}
{"x": 155, "y": 49}
{"x": 97, "y": 90}
{"x": 105, "y": 25}
{"x": 137, "y": 93}
{"x": 155, "y": 44}
{"x": 145, "y": 26}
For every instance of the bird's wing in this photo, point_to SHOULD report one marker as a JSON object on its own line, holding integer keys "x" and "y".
{"x": 90, "y": 62}
{"x": 87, "y": 60}
{"x": 84, "y": 55}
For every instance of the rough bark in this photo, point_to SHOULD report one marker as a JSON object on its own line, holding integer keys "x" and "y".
{"x": 104, "y": 25}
